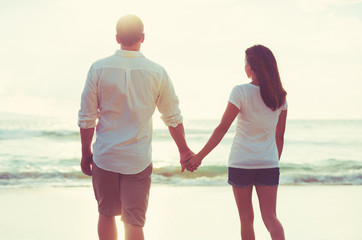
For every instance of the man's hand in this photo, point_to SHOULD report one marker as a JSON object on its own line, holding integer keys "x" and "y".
{"x": 86, "y": 136}
{"x": 86, "y": 164}
{"x": 178, "y": 135}
{"x": 184, "y": 157}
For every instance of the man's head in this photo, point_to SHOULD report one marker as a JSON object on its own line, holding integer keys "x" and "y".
{"x": 129, "y": 32}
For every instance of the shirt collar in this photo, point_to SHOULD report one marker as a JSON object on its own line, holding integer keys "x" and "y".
{"x": 130, "y": 54}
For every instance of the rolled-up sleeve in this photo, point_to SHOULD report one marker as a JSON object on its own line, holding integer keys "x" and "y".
{"x": 88, "y": 112}
{"x": 168, "y": 103}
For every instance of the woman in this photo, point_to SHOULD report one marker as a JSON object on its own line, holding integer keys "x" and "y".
{"x": 254, "y": 158}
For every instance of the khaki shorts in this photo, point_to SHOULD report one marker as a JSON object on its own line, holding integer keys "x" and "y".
{"x": 122, "y": 194}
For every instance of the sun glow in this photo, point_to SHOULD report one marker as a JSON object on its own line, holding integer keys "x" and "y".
{"x": 317, "y": 46}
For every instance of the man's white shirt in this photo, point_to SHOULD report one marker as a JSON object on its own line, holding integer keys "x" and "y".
{"x": 122, "y": 91}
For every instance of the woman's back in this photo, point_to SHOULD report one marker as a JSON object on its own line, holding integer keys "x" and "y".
{"x": 254, "y": 144}
{"x": 258, "y": 142}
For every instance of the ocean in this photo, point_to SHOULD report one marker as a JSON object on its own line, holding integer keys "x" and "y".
{"x": 45, "y": 152}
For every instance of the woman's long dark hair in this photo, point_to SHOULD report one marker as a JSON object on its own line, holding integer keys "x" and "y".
{"x": 263, "y": 63}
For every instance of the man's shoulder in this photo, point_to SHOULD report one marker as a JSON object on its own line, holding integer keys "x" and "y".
{"x": 100, "y": 63}
{"x": 154, "y": 65}
{"x": 113, "y": 60}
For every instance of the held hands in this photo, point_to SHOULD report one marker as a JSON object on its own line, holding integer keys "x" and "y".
{"x": 189, "y": 161}
{"x": 193, "y": 163}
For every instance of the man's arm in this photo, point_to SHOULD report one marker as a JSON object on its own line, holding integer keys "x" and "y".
{"x": 86, "y": 136}
{"x": 87, "y": 117}
{"x": 178, "y": 135}
{"x": 168, "y": 106}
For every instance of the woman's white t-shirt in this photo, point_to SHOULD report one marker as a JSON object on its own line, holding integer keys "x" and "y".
{"x": 254, "y": 144}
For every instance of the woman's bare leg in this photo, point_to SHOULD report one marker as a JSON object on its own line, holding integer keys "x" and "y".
{"x": 243, "y": 198}
{"x": 268, "y": 201}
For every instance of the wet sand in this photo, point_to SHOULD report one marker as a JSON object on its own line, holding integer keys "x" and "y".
{"x": 179, "y": 213}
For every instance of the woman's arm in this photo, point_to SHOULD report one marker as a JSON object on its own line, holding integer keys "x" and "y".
{"x": 279, "y": 134}
{"x": 227, "y": 119}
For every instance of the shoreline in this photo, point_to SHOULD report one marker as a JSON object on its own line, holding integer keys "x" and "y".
{"x": 183, "y": 212}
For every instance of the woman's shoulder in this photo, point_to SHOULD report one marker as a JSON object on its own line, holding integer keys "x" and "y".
{"x": 246, "y": 86}
{"x": 240, "y": 91}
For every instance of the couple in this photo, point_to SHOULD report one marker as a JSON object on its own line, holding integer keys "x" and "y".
{"x": 122, "y": 91}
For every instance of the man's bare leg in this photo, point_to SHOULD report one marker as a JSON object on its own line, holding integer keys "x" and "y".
{"x": 133, "y": 232}
{"x": 107, "y": 229}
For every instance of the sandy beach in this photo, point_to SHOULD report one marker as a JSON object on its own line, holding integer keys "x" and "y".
{"x": 179, "y": 213}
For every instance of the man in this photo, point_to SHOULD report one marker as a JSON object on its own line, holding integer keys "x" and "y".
{"x": 122, "y": 91}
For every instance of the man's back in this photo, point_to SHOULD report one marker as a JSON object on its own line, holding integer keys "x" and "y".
{"x": 123, "y": 91}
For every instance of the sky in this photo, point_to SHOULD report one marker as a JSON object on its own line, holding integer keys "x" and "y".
{"x": 47, "y": 48}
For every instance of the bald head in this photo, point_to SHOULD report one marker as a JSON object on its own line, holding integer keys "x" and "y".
{"x": 129, "y": 30}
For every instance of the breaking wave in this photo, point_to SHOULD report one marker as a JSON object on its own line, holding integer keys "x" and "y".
{"x": 330, "y": 172}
